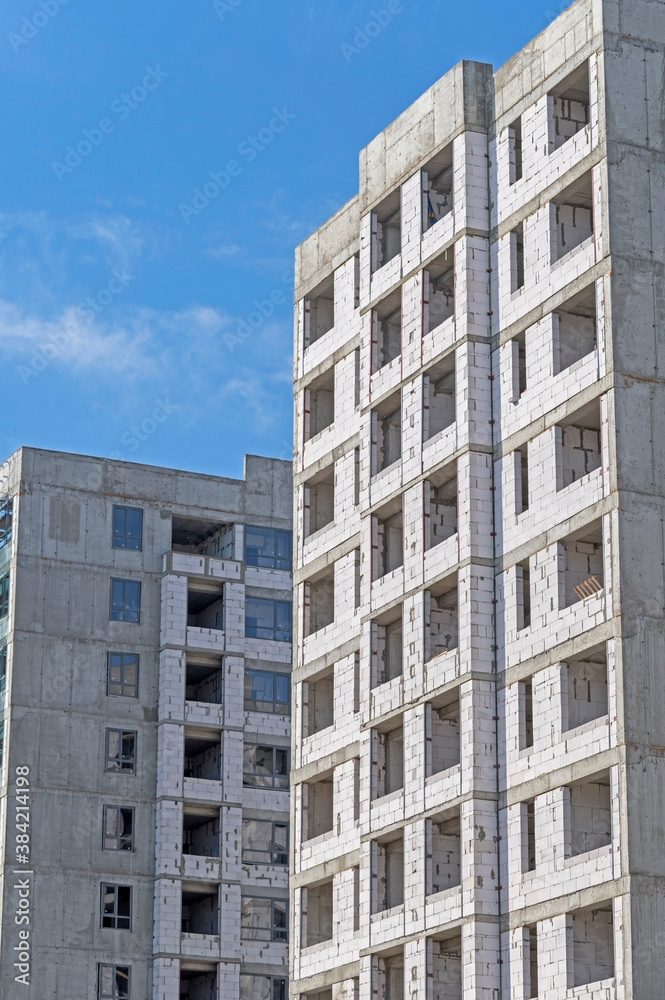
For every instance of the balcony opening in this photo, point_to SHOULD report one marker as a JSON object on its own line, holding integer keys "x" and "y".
{"x": 445, "y": 870}
{"x": 575, "y": 330}
{"x": 441, "y": 506}
{"x": 447, "y": 968}
{"x": 205, "y": 605}
{"x": 439, "y": 279}
{"x": 531, "y": 961}
{"x": 590, "y": 815}
{"x": 389, "y": 976}
{"x": 389, "y": 872}
{"x": 388, "y": 539}
{"x": 319, "y": 703}
{"x": 439, "y": 398}
{"x": 583, "y": 565}
{"x": 441, "y": 619}
{"x": 593, "y": 945}
{"x": 528, "y": 817}
{"x": 203, "y": 756}
{"x": 445, "y": 745}
{"x": 199, "y": 537}
{"x": 317, "y": 913}
{"x": 196, "y": 984}
{"x": 387, "y": 331}
{"x": 578, "y": 444}
{"x": 320, "y": 404}
{"x": 200, "y": 910}
{"x": 523, "y": 595}
{"x": 317, "y": 807}
{"x": 204, "y": 680}
{"x": 438, "y": 188}
{"x": 517, "y": 380}
{"x": 387, "y": 230}
{"x": 320, "y": 311}
{"x": 319, "y": 501}
{"x": 387, "y": 433}
{"x": 573, "y": 216}
{"x": 525, "y": 694}
{"x": 570, "y": 106}
{"x": 517, "y": 276}
{"x": 200, "y": 832}
{"x": 587, "y": 694}
{"x": 320, "y": 601}
{"x": 387, "y": 647}
{"x": 521, "y": 456}
{"x": 389, "y": 757}
{"x": 515, "y": 145}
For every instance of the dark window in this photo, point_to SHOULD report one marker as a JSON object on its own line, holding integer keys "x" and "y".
{"x": 6, "y": 517}
{"x": 4, "y": 596}
{"x": 121, "y": 750}
{"x": 265, "y": 767}
{"x": 265, "y": 619}
{"x": 117, "y": 906}
{"x": 123, "y": 675}
{"x": 267, "y": 547}
{"x": 118, "y": 829}
{"x": 264, "y": 919}
{"x": 2, "y": 744}
{"x": 265, "y": 842}
{"x": 266, "y": 691}
{"x": 263, "y": 988}
{"x": 114, "y": 982}
{"x": 127, "y": 528}
{"x": 3, "y": 668}
{"x": 126, "y": 601}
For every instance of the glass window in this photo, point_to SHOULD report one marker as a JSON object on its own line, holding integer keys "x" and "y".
{"x": 121, "y": 751}
{"x": 266, "y": 691}
{"x": 265, "y": 619}
{"x": 265, "y": 767}
{"x": 114, "y": 982}
{"x": 267, "y": 547}
{"x": 264, "y": 919}
{"x": 3, "y": 668}
{"x": 4, "y": 595}
{"x": 127, "y": 528}
{"x": 263, "y": 988}
{"x": 118, "y": 829}
{"x": 117, "y": 906}
{"x": 123, "y": 675}
{"x": 265, "y": 842}
{"x": 126, "y": 601}
{"x": 6, "y": 518}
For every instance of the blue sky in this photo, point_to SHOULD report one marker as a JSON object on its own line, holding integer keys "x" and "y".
{"x": 121, "y": 291}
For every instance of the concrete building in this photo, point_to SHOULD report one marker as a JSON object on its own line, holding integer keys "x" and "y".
{"x": 479, "y": 697}
{"x": 145, "y": 653}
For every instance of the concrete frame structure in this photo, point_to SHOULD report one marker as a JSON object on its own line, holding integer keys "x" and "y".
{"x": 164, "y": 759}
{"x": 479, "y": 703}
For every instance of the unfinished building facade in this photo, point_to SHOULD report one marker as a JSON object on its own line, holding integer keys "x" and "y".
{"x": 145, "y": 658}
{"x": 479, "y": 699}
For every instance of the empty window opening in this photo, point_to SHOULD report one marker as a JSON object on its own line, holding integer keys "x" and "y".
{"x": 118, "y": 828}
{"x": 445, "y": 733}
{"x": 114, "y": 982}
{"x": 531, "y": 961}
{"x": 573, "y": 216}
{"x": 125, "y": 601}
{"x": 441, "y": 623}
{"x": 446, "y": 871}
{"x": 264, "y": 988}
{"x": 207, "y": 538}
{"x": 438, "y": 187}
{"x": 267, "y": 691}
{"x": 570, "y": 106}
{"x": 525, "y": 694}
{"x": 204, "y": 680}
{"x": 439, "y": 398}
{"x": 441, "y": 507}
{"x": 317, "y": 807}
{"x": 203, "y": 756}
{"x": 121, "y": 751}
{"x": 388, "y": 539}
{"x": 515, "y": 143}
{"x": 6, "y": 519}
{"x": 320, "y": 311}
{"x": 205, "y": 606}
{"x": 583, "y": 565}
{"x": 447, "y": 968}
{"x": 320, "y": 404}
{"x": 590, "y": 815}
{"x": 264, "y": 919}
{"x": 320, "y": 602}
{"x": 317, "y": 913}
{"x": 578, "y": 444}
{"x": 528, "y": 810}
{"x": 320, "y": 995}
{"x": 356, "y": 476}
{"x": 199, "y": 985}
{"x": 319, "y": 703}
{"x": 265, "y": 767}
{"x": 439, "y": 282}
{"x": 387, "y": 433}
{"x": 517, "y": 380}
{"x": 575, "y": 330}
{"x": 517, "y": 277}
{"x": 122, "y": 675}
{"x": 521, "y": 456}
{"x": 586, "y": 681}
{"x": 523, "y": 595}
{"x": 387, "y": 331}
{"x": 116, "y": 907}
{"x": 200, "y": 911}
{"x": 390, "y": 976}
{"x": 265, "y": 842}
{"x": 389, "y": 757}
{"x": 201, "y": 832}
{"x": 387, "y": 230}
{"x": 127, "y": 528}
{"x": 389, "y": 873}
{"x": 319, "y": 501}
{"x": 593, "y": 945}
{"x": 387, "y": 647}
